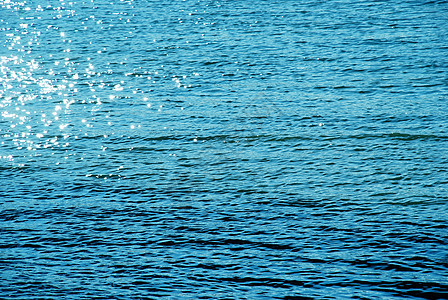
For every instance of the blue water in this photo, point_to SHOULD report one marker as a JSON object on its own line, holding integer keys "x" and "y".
{"x": 223, "y": 149}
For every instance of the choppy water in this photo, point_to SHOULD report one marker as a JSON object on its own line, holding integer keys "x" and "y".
{"x": 223, "y": 149}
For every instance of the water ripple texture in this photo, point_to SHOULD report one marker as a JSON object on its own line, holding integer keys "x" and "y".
{"x": 223, "y": 149}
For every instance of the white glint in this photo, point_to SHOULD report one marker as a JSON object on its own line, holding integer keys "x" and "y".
{"x": 118, "y": 87}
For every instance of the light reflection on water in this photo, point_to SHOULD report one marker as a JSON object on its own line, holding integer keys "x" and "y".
{"x": 243, "y": 148}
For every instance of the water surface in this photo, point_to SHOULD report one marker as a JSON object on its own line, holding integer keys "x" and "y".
{"x": 223, "y": 149}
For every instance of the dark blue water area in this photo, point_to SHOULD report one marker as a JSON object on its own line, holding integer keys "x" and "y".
{"x": 223, "y": 149}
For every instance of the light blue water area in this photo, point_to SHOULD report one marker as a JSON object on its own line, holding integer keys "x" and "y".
{"x": 223, "y": 149}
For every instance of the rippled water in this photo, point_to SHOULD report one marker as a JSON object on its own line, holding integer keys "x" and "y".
{"x": 223, "y": 149}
